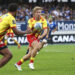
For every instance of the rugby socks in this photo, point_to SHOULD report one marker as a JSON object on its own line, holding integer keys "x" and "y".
{"x": 32, "y": 60}
{"x": 20, "y": 62}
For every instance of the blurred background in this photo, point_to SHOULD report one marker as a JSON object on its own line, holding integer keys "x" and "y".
{"x": 58, "y": 9}
{"x": 62, "y": 12}
{"x": 57, "y": 58}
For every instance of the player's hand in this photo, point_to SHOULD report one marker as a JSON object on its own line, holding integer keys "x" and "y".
{"x": 28, "y": 31}
{"x": 40, "y": 37}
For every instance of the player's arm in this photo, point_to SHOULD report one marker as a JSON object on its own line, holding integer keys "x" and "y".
{"x": 55, "y": 27}
{"x": 54, "y": 30}
{"x": 12, "y": 24}
{"x": 44, "y": 33}
{"x": 29, "y": 27}
{"x": 18, "y": 32}
{"x": 45, "y": 30}
{"x": 48, "y": 29}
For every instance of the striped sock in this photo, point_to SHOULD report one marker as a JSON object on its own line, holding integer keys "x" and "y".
{"x": 32, "y": 60}
{"x": 20, "y": 62}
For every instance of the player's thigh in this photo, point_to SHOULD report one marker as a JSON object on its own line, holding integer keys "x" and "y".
{"x": 30, "y": 49}
{"x": 35, "y": 44}
{"x": 5, "y": 52}
{"x": 40, "y": 45}
{"x": 29, "y": 53}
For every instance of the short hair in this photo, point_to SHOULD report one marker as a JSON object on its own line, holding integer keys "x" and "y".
{"x": 12, "y": 7}
{"x": 37, "y": 8}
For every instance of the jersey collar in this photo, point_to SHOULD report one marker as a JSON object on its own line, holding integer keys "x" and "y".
{"x": 34, "y": 18}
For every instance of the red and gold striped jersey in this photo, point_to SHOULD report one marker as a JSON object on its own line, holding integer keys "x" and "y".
{"x": 32, "y": 22}
{"x": 7, "y": 21}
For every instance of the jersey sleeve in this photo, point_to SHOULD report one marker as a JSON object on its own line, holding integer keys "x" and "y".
{"x": 29, "y": 23}
{"x": 44, "y": 24}
{"x": 12, "y": 23}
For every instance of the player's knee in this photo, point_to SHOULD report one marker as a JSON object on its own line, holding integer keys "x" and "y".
{"x": 9, "y": 56}
{"x": 29, "y": 56}
{"x": 38, "y": 47}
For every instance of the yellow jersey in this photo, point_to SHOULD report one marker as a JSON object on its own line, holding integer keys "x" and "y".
{"x": 10, "y": 31}
{"x": 32, "y": 22}
{"x": 7, "y": 21}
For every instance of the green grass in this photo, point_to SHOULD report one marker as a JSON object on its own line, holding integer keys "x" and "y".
{"x": 51, "y": 60}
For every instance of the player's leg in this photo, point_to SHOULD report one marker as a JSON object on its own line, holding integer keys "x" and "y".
{"x": 12, "y": 38}
{"x": 27, "y": 50}
{"x": 4, "y": 51}
{"x": 35, "y": 46}
{"x": 5, "y": 41}
{"x": 16, "y": 42}
{"x": 32, "y": 51}
{"x": 26, "y": 57}
{"x": 42, "y": 43}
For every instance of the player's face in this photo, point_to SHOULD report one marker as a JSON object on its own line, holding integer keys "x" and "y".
{"x": 37, "y": 14}
{"x": 50, "y": 20}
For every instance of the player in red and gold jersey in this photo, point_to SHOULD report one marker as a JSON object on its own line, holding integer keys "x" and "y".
{"x": 34, "y": 37}
{"x": 10, "y": 33}
{"x": 8, "y": 21}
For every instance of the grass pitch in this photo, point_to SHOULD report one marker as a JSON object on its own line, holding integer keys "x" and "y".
{"x": 51, "y": 60}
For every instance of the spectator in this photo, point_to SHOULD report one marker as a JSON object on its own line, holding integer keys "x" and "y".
{"x": 58, "y": 12}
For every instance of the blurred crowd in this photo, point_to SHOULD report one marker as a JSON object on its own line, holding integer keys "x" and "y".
{"x": 57, "y": 12}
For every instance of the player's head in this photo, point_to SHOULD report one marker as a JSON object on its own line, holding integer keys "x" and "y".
{"x": 12, "y": 7}
{"x": 37, "y": 11}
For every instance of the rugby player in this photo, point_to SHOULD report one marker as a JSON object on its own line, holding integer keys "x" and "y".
{"x": 34, "y": 37}
{"x": 8, "y": 21}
